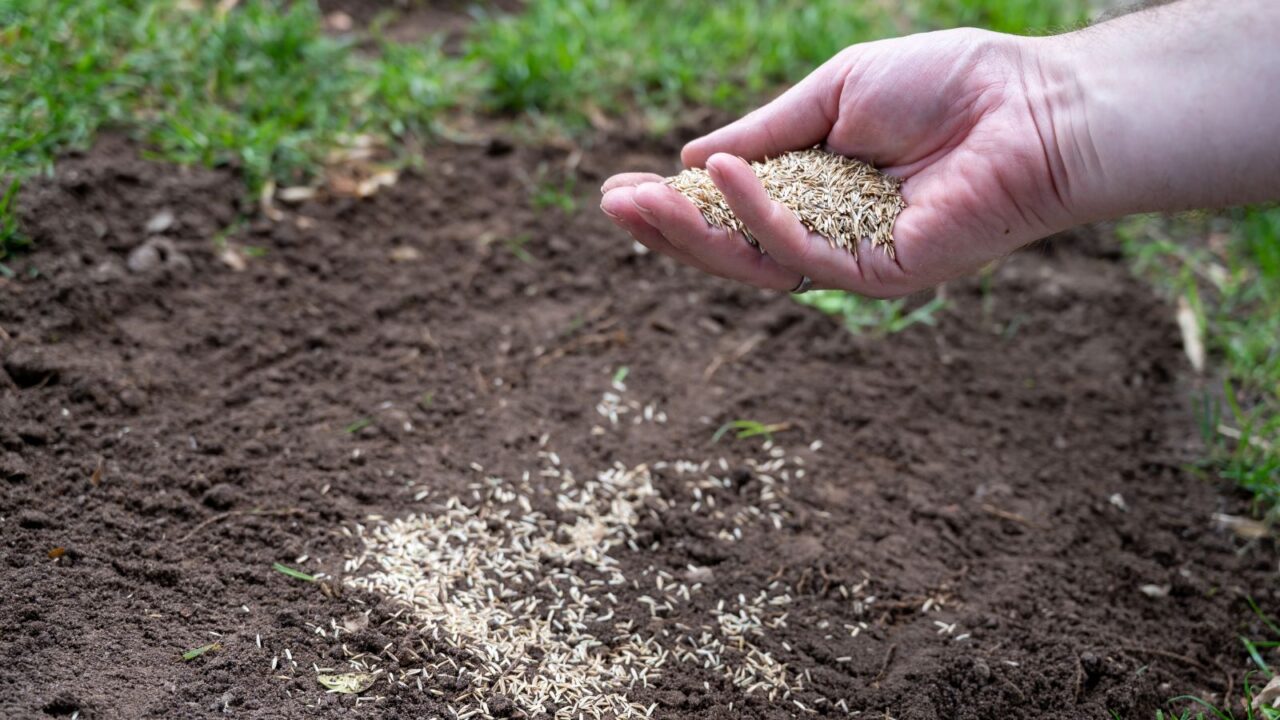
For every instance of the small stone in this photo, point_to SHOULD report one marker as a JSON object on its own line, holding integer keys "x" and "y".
{"x": 144, "y": 258}
{"x": 981, "y": 672}
{"x": 155, "y": 254}
{"x": 160, "y": 222}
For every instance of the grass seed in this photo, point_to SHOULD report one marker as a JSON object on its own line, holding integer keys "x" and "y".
{"x": 846, "y": 201}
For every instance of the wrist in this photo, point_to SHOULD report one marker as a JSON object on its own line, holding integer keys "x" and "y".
{"x": 1062, "y": 99}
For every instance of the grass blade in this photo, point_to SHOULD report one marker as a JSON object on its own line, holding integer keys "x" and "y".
{"x": 296, "y": 574}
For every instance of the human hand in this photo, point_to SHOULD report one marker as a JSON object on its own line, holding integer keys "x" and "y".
{"x": 958, "y": 115}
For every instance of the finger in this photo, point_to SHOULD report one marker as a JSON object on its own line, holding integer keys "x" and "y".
{"x": 619, "y": 205}
{"x": 722, "y": 252}
{"x": 629, "y": 179}
{"x": 782, "y": 235}
{"x": 799, "y": 118}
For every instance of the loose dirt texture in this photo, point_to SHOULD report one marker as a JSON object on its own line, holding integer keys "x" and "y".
{"x": 958, "y": 522}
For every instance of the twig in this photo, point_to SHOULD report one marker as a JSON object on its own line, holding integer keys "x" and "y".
{"x": 884, "y": 666}
{"x": 741, "y": 351}
{"x": 1165, "y": 654}
{"x": 1011, "y": 516}
{"x": 233, "y": 513}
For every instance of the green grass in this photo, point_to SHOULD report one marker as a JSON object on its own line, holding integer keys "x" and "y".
{"x": 881, "y": 317}
{"x": 261, "y": 86}
{"x": 1226, "y": 269}
{"x": 572, "y": 58}
{"x": 194, "y": 653}
{"x": 295, "y": 574}
{"x": 11, "y": 236}
{"x": 746, "y": 429}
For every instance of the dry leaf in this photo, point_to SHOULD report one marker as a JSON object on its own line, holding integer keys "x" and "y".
{"x": 57, "y": 552}
{"x": 1192, "y": 334}
{"x": 1269, "y": 697}
{"x": 267, "y": 205}
{"x": 347, "y": 683}
{"x": 233, "y": 258}
{"x": 1242, "y": 526}
{"x": 298, "y": 194}
{"x": 374, "y": 183}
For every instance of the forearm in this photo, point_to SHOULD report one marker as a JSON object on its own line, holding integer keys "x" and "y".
{"x": 1170, "y": 108}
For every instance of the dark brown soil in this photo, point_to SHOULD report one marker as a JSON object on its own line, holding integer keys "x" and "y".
{"x": 175, "y": 426}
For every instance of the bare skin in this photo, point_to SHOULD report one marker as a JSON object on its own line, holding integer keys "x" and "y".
{"x": 1000, "y": 140}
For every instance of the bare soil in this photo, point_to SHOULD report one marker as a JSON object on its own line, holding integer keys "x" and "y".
{"x": 170, "y": 426}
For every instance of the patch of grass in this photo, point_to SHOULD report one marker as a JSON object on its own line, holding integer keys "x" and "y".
{"x": 746, "y": 429}
{"x": 561, "y": 196}
{"x": 1213, "y": 712}
{"x": 11, "y": 237}
{"x": 884, "y": 317}
{"x": 1011, "y": 16}
{"x": 295, "y": 574}
{"x": 1226, "y": 270}
{"x": 577, "y": 58}
{"x": 260, "y": 86}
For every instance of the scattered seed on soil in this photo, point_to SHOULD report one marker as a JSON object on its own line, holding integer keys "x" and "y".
{"x": 846, "y": 201}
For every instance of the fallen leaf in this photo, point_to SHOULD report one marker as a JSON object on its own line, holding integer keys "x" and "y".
{"x": 266, "y": 203}
{"x": 300, "y": 193}
{"x": 233, "y": 258}
{"x": 1242, "y": 526}
{"x": 1269, "y": 697}
{"x": 57, "y": 552}
{"x": 1192, "y": 334}
{"x": 377, "y": 181}
{"x": 96, "y": 478}
{"x": 348, "y": 683}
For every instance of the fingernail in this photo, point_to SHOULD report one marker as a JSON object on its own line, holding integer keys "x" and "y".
{"x": 612, "y": 216}
{"x": 646, "y": 212}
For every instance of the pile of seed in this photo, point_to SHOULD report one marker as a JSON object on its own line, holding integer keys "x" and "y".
{"x": 843, "y": 200}
{"x": 517, "y": 591}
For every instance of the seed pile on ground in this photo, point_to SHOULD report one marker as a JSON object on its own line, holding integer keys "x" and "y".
{"x": 844, "y": 200}
{"x": 518, "y": 591}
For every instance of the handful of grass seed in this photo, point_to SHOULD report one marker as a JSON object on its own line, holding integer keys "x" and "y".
{"x": 844, "y": 200}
